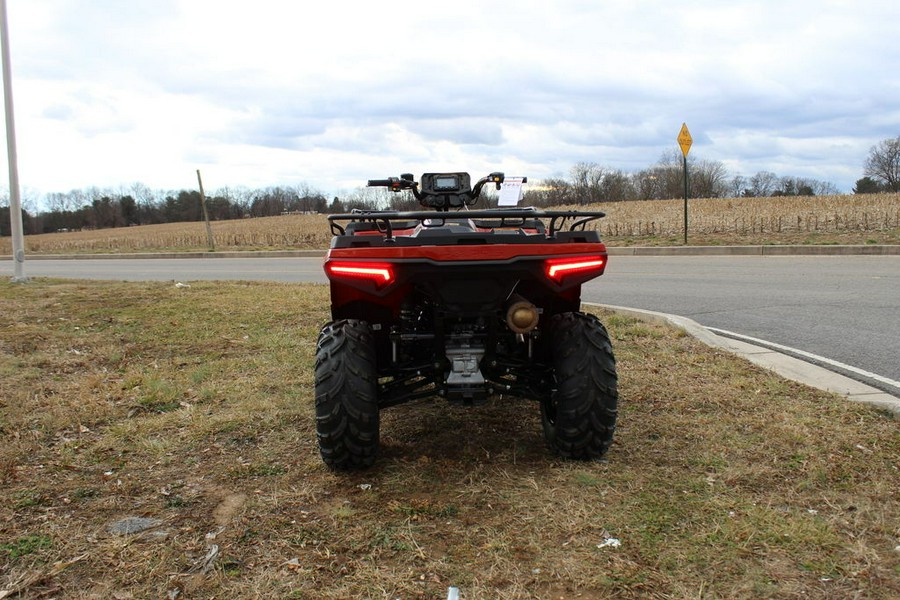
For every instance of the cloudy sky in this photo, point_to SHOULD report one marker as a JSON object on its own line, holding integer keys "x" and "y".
{"x": 271, "y": 92}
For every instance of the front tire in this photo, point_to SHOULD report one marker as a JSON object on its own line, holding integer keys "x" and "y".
{"x": 347, "y": 395}
{"x": 579, "y": 417}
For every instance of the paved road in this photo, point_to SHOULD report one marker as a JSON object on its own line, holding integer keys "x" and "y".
{"x": 846, "y": 308}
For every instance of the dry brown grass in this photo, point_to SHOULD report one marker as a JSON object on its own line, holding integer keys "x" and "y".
{"x": 854, "y": 219}
{"x": 265, "y": 233}
{"x": 194, "y": 406}
{"x": 862, "y": 219}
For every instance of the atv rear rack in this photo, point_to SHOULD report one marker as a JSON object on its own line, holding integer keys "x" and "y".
{"x": 384, "y": 222}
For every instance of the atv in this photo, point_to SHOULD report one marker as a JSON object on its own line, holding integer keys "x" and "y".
{"x": 463, "y": 305}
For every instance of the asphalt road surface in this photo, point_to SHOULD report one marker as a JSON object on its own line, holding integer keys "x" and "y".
{"x": 845, "y": 308}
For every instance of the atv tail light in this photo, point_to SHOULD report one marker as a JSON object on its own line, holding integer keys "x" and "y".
{"x": 381, "y": 274}
{"x": 558, "y": 269}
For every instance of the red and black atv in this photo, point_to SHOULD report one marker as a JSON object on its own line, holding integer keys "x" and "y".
{"x": 464, "y": 305}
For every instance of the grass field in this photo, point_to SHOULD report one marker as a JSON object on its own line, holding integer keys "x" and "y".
{"x": 856, "y": 219}
{"x": 194, "y": 406}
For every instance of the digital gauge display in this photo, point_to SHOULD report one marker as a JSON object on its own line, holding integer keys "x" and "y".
{"x": 446, "y": 183}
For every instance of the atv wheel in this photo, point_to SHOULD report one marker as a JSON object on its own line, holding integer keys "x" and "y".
{"x": 346, "y": 395}
{"x": 579, "y": 417}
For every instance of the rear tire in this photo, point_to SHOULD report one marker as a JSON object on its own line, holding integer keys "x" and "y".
{"x": 579, "y": 417}
{"x": 347, "y": 395}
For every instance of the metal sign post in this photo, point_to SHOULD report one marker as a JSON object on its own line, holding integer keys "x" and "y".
{"x": 685, "y": 140}
{"x": 15, "y": 201}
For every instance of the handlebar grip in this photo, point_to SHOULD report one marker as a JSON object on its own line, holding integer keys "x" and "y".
{"x": 380, "y": 183}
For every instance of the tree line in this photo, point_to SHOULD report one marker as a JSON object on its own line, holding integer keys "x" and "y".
{"x": 586, "y": 183}
{"x": 591, "y": 183}
{"x": 96, "y": 208}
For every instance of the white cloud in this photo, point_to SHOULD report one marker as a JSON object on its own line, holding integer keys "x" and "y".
{"x": 271, "y": 92}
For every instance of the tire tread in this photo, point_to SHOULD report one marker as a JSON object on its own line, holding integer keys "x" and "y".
{"x": 347, "y": 419}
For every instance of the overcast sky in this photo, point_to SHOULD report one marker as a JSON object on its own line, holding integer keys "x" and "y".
{"x": 112, "y": 92}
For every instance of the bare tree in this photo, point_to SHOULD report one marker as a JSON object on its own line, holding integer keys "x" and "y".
{"x": 29, "y": 200}
{"x": 669, "y": 173}
{"x": 646, "y": 184}
{"x": 143, "y": 194}
{"x": 824, "y": 188}
{"x": 586, "y": 179}
{"x": 57, "y": 202}
{"x": 763, "y": 184}
{"x": 883, "y": 163}
{"x": 708, "y": 179}
{"x": 593, "y": 183}
{"x": 240, "y": 196}
{"x": 616, "y": 186}
{"x": 737, "y": 186}
{"x": 553, "y": 191}
{"x": 368, "y": 198}
{"x": 559, "y": 191}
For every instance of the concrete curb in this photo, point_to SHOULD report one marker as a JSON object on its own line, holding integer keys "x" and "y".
{"x": 782, "y": 364}
{"x": 885, "y": 250}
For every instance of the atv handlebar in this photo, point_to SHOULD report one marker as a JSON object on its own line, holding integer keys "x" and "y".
{"x": 496, "y": 178}
{"x": 395, "y": 184}
{"x": 440, "y": 191}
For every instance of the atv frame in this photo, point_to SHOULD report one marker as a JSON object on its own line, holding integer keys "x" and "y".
{"x": 464, "y": 305}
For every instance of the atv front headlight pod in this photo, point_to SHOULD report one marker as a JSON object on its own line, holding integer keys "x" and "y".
{"x": 381, "y": 274}
{"x": 558, "y": 269}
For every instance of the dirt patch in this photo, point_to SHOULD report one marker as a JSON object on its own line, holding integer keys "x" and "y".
{"x": 225, "y": 512}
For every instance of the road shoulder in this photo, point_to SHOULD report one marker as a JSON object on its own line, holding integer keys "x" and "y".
{"x": 786, "y": 366}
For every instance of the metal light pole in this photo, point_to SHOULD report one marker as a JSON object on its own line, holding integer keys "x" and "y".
{"x": 15, "y": 201}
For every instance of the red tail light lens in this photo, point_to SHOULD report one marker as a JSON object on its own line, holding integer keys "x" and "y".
{"x": 381, "y": 274}
{"x": 559, "y": 268}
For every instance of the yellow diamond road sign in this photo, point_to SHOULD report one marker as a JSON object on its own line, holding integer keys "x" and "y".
{"x": 685, "y": 140}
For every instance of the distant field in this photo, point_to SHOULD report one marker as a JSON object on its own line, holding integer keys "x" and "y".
{"x": 845, "y": 219}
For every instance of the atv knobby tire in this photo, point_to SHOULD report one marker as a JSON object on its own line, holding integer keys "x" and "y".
{"x": 579, "y": 417}
{"x": 346, "y": 395}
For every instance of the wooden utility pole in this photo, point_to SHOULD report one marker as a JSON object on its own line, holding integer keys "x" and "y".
{"x": 209, "y": 235}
